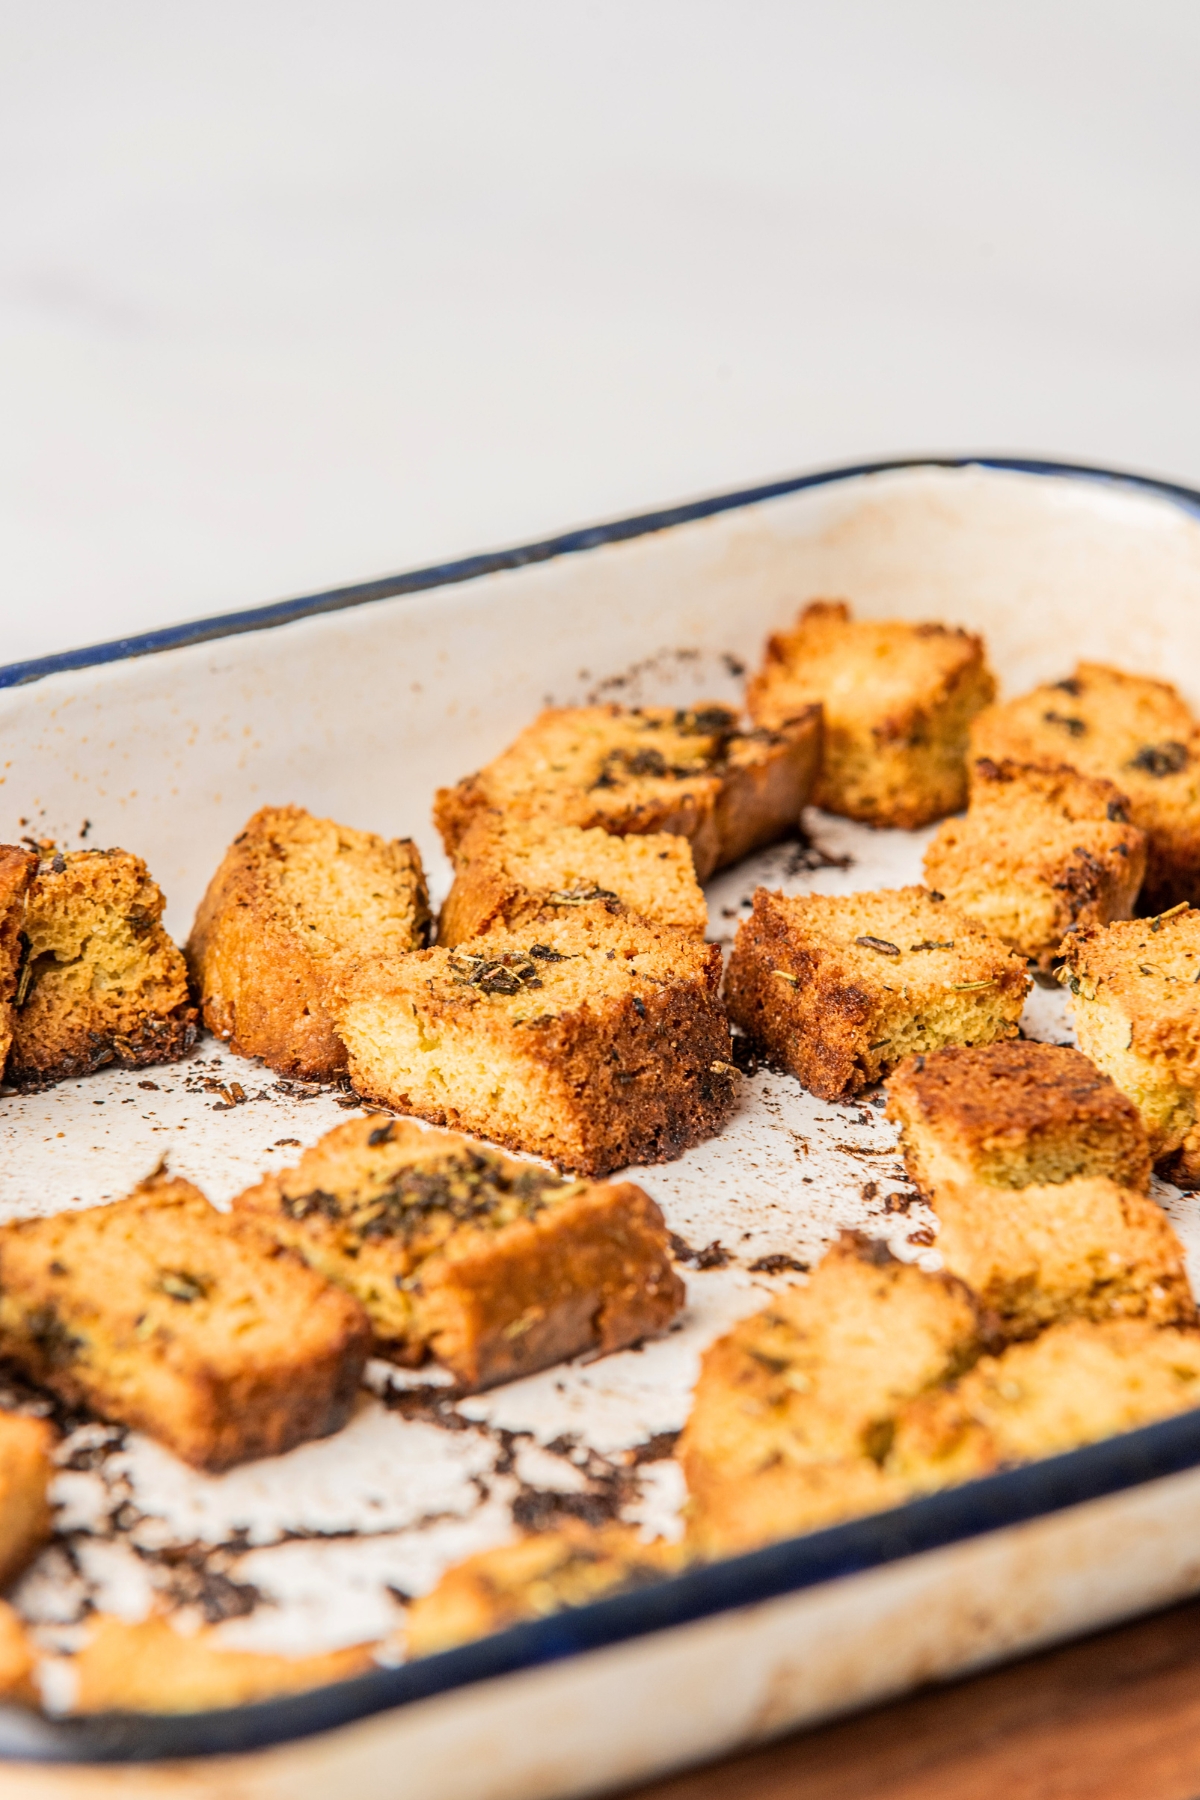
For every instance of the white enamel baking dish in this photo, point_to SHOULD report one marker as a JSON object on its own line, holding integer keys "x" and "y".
{"x": 358, "y": 704}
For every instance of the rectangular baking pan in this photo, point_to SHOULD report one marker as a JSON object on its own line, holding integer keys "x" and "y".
{"x": 358, "y": 703}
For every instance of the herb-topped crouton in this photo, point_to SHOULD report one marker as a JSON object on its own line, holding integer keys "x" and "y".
{"x": 572, "y": 1565}
{"x": 898, "y": 701}
{"x": 293, "y": 901}
{"x": 25, "y": 1472}
{"x": 17, "y": 868}
{"x": 494, "y": 1267}
{"x": 598, "y": 1042}
{"x": 690, "y": 771}
{"x": 163, "y": 1314}
{"x": 793, "y": 1412}
{"x": 511, "y": 870}
{"x": 1134, "y": 994}
{"x": 101, "y": 982}
{"x": 1074, "y": 1384}
{"x": 1138, "y": 733}
{"x": 1040, "y": 851}
{"x": 1014, "y": 1114}
{"x": 839, "y": 989}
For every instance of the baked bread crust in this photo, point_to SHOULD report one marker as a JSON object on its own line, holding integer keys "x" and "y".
{"x": 18, "y": 1660}
{"x": 542, "y": 1574}
{"x": 25, "y": 1473}
{"x": 509, "y": 871}
{"x": 17, "y": 869}
{"x": 793, "y": 1412}
{"x": 839, "y": 989}
{"x": 898, "y": 702}
{"x": 101, "y": 982}
{"x": 1136, "y": 732}
{"x": 293, "y": 899}
{"x": 1136, "y": 1004}
{"x": 1040, "y": 851}
{"x": 495, "y": 1267}
{"x": 150, "y": 1667}
{"x": 592, "y": 1040}
{"x": 694, "y": 772}
{"x": 1013, "y": 1114}
{"x": 162, "y": 1314}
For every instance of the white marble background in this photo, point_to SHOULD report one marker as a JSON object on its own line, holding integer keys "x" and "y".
{"x": 293, "y": 295}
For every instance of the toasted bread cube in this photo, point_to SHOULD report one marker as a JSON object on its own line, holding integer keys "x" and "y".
{"x": 165, "y": 1315}
{"x": 1039, "y": 852}
{"x": 18, "y": 1660}
{"x": 1136, "y": 1003}
{"x": 494, "y": 1267}
{"x": 509, "y": 871}
{"x": 839, "y": 989}
{"x": 150, "y": 1667}
{"x": 597, "y": 1043}
{"x": 101, "y": 981}
{"x": 293, "y": 901}
{"x": 898, "y": 701}
{"x": 793, "y": 1411}
{"x": 1014, "y": 1115}
{"x": 25, "y": 1473}
{"x": 17, "y": 869}
{"x": 546, "y": 1573}
{"x": 1136, "y": 732}
{"x": 693, "y": 772}
{"x": 1081, "y": 1248}
{"x": 1076, "y": 1383}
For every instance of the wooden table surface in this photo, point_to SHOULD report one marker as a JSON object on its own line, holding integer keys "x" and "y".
{"x": 1116, "y": 1717}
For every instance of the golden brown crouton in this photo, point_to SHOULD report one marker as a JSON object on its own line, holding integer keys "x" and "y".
{"x": 17, "y": 868}
{"x": 18, "y": 1660}
{"x": 294, "y": 899}
{"x": 494, "y": 1267}
{"x": 839, "y": 989}
{"x": 596, "y": 1043}
{"x": 163, "y": 1314}
{"x": 1081, "y": 1248}
{"x": 1134, "y": 995}
{"x": 151, "y": 1667}
{"x": 793, "y": 1411}
{"x": 572, "y": 1565}
{"x": 898, "y": 701}
{"x": 690, "y": 771}
{"x": 510, "y": 871}
{"x": 1013, "y": 1114}
{"x": 1136, "y": 732}
{"x": 101, "y": 981}
{"x": 1040, "y": 851}
{"x": 25, "y": 1472}
{"x": 1076, "y": 1383}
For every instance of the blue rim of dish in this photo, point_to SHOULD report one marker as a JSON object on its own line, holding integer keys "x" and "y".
{"x": 1011, "y": 1497}
{"x": 592, "y": 537}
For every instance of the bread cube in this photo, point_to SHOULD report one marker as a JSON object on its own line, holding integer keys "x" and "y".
{"x": 898, "y": 701}
{"x": 25, "y": 1474}
{"x": 690, "y": 771}
{"x": 510, "y": 871}
{"x": 792, "y": 1415}
{"x": 494, "y": 1267}
{"x": 293, "y": 901}
{"x": 1076, "y": 1383}
{"x": 1136, "y": 1003}
{"x": 101, "y": 982}
{"x": 1136, "y": 732}
{"x": 18, "y": 1660}
{"x": 1013, "y": 1115}
{"x": 17, "y": 868}
{"x": 592, "y": 1040}
{"x": 162, "y": 1314}
{"x": 1039, "y": 852}
{"x": 150, "y": 1667}
{"x": 839, "y": 989}
{"x": 572, "y": 1565}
